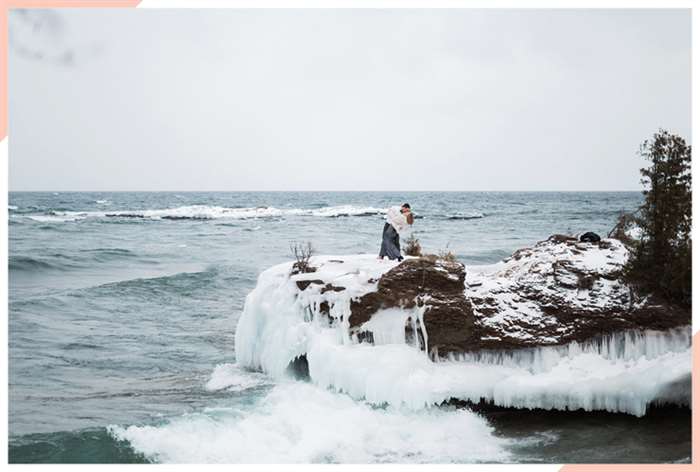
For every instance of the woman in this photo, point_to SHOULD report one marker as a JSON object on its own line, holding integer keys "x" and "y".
{"x": 397, "y": 219}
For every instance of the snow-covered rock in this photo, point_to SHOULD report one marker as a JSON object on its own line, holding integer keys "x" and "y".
{"x": 562, "y": 290}
{"x": 553, "y": 326}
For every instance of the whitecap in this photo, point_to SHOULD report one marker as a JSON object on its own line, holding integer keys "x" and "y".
{"x": 465, "y": 215}
{"x": 297, "y": 422}
{"x": 207, "y": 212}
{"x": 346, "y": 210}
{"x": 231, "y": 377}
{"x": 57, "y": 218}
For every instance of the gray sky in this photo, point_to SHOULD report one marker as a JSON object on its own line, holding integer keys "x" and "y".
{"x": 342, "y": 99}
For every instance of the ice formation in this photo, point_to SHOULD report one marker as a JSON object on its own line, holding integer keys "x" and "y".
{"x": 618, "y": 372}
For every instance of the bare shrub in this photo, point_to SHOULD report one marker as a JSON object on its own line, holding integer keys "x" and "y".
{"x": 447, "y": 255}
{"x": 412, "y": 246}
{"x": 302, "y": 252}
{"x": 625, "y": 222}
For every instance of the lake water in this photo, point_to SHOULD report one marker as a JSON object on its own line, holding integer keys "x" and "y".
{"x": 122, "y": 305}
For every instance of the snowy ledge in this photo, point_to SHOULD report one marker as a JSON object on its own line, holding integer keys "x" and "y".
{"x": 550, "y": 327}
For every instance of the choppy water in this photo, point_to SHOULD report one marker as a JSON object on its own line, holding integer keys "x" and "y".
{"x": 122, "y": 305}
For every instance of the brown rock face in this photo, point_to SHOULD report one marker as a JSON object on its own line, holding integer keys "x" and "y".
{"x": 430, "y": 282}
{"x": 402, "y": 285}
{"x": 556, "y": 292}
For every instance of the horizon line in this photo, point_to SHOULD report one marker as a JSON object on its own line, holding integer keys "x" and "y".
{"x": 324, "y": 191}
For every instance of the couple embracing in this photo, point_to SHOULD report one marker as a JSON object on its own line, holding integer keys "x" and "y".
{"x": 397, "y": 219}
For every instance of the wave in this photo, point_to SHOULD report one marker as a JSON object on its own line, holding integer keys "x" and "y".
{"x": 234, "y": 379}
{"x": 55, "y": 218}
{"x": 12, "y": 207}
{"x": 29, "y": 264}
{"x": 465, "y": 216}
{"x": 83, "y": 258}
{"x": 206, "y": 212}
{"x": 201, "y": 282}
{"x": 346, "y": 210}
{"x": 80, "y": 346}
{"x": 93, "y": 445}
{"x": 297, "y": 422}
{"x": 108, "y": 254}
{"x": 203, "y": 212}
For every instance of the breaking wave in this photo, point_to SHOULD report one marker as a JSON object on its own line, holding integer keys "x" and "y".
{"x": 232, "y": 378}
{"x": 206, "y": 212}
{"x": 297, "y": 422}
{"x": 466, "y": 216}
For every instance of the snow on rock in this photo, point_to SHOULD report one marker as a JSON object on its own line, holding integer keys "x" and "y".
{"x": 561, "y": 290}
{"x": 551, "y": 327}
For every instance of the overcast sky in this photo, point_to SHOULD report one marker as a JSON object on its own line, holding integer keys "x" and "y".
{"x": 342, "y": 99}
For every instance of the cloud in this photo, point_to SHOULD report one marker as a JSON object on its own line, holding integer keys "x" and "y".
{"x": 346, "y": 99}
{"x": 42, "y": 35}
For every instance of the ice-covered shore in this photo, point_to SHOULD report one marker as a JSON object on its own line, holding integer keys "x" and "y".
{"x": 551, "y": 327}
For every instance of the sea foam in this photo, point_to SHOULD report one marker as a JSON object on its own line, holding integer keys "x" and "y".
{"x": 297, "y": 422}
{"x": 232, "y": 378}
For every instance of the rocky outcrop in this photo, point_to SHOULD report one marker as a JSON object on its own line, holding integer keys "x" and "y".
{"x": 558, "y": 291}
{"x": 554, "y": 326}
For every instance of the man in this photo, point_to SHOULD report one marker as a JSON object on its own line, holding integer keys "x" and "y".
{"x": 397, "y": 219}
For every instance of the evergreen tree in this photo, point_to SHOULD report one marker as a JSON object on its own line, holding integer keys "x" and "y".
{"x": 661, "y": 259}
